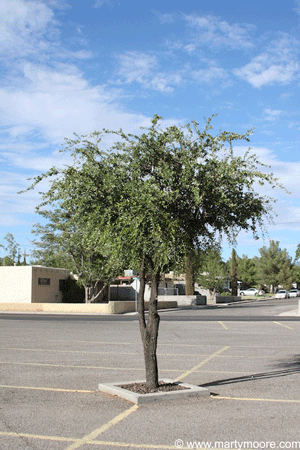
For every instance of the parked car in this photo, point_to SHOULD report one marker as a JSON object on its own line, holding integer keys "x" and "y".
{"x": 282, "y": 294}
{"x": 294, "y": 293}
{"x": 250, "y": 291}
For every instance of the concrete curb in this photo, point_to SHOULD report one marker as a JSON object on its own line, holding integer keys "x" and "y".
{"x": 141, "y": 399}
{"x": 294, "y": 312}
{"x": 247, "y": 300}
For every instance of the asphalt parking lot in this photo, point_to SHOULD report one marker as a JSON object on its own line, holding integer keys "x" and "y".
{"x": 50, "y": 369}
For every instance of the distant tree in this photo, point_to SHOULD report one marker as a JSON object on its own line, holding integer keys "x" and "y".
{"x": 7, "y": 261}
{"x": 233, "y": 272}
{"x": 296, "y": 266}
{"x": 63, "y": 243}
{"x": 247, "y": 271}
{"x": 275, "y": 266}
{"x": 212, "y": 271}
{"x": 12, "y": 250}
{"x": 297, "y": 254}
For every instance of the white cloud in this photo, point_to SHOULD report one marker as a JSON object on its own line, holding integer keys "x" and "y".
{"x": 36, "y": 163}
{"x": 277, "y": 65}
{"x": 272, "y": 114}
{"x": 100, "y": 3}
{"x": 40, "y": 109}
{"x": 143, "y": 68}
{"x": 60, "y": 102}
{"x": 161, "y": 82}
{"x": 13, "y": 204}
{"x": 58, "y": 4}
{"x": 22, "y": 27}
{"x": 210, "y": 75}
{"x": 287, "y": 172}
{"x": 135, "y": 66}
{"x": 216, "y": 33}
{"x": 297, "y": 6}
{"x": 45, "y": 99}
{"x": 28, "y": 29}
{"x": 16, "y": 131}
{"x": 165, "y": 18}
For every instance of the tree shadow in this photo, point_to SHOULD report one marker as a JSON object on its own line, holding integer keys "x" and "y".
{"x": 284, "y": 368}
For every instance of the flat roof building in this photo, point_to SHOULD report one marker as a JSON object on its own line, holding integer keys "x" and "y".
{"x": 32, "y": 284}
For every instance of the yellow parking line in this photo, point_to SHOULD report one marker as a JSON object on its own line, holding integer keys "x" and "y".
{"x": 286, "y": 326}
{"x": 125, "y": 368}
{"x": 194, "y": 369}
{"x": 77, "y": 391}
{"x": 99, "y": 353}
{"x": 60, "y": 351}
{"x": 94, "y": 442}
{"x": 279, "y": 400}
{"x": 74, "y": 367}
{"x": 159, "y": 353}
{"x": 107, "y": 368}
{"x": 142, "y": 446}
{"x": 94, "y": 342}
{"x": 223, "y": 325}
{"x": 91, "y": 436}
{"x": 36, "y": 436}
{"x": 176, "y": 344}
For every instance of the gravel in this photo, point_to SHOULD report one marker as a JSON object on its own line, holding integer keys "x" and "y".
{"x": 141, "y": 388}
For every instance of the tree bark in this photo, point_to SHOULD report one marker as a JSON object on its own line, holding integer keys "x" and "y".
{"x": 95, "y": 293}
{"x": 87, "y": 294}
{"x": 149, "y": 329}
{"x": 189, "y": 274}
{"x": 233, "y": 274}
{"x": 99, "y": 292}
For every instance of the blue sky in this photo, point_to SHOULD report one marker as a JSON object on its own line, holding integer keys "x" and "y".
{"x": 86, "y": 65}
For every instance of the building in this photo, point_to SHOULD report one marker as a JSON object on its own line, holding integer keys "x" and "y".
{"x": 32, "y": 284}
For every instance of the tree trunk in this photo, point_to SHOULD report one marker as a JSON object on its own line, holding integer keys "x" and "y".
{"x": 233, "y": 273}
{"x": 87, "y": 294}
{"x": 99, "y": 292}
{"x": 95, "y": 292}
{"x": 189, "y": 274}
{"x": 149, "y": 330}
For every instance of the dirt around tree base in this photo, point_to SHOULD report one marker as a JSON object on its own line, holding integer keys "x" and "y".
{"x": 140, "y": 388}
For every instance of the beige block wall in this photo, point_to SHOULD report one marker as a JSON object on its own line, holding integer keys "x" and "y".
{"x": 15, "y": 284}
{"x": 80, "y": 308}
{"x": 47, "y": 293}
{"x": 19, "y": 284}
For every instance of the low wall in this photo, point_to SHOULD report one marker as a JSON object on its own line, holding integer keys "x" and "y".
{"x": 227, "y": 299}
{"x": 184, "y": 300}
{"x": 81, "y": 308}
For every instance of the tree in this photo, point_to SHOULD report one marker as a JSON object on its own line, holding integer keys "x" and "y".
{"x": 275, "y": 266}
{"x": 155, "y": 198}
{"x": 296, "y": 265}
{"x": 65, "y": 240}
{"x": 212, "y": 271}
{"x": 247, "y": 271}
{"x": 233, "y": 272}
{"x": 12, "y": 250}
{"x": 60, "y": 246}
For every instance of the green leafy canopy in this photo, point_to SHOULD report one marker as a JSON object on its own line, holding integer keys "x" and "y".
{"x": 159, "y": 194}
